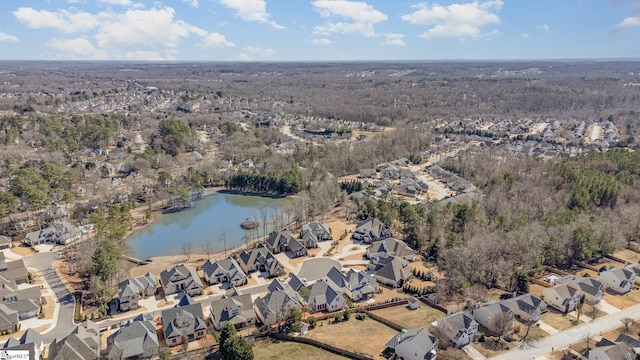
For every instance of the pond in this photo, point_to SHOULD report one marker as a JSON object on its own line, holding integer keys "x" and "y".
{"x": 215, "y": 220}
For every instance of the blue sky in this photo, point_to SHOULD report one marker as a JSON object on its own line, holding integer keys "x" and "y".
{"x": 310, "y": 30}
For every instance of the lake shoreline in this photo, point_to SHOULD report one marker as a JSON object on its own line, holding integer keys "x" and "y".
{"x": 180, "y": 258}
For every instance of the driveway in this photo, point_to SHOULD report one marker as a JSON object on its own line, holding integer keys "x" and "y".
{"x": 571, "y": 336}
{"x": 63, "y": 326}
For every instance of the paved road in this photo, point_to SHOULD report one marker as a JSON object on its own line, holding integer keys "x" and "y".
{"x": 43, "y": 262}
{"x": 571, "y": 336}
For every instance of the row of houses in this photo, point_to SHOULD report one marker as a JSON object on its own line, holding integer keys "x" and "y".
{"x": 18, "y": 299}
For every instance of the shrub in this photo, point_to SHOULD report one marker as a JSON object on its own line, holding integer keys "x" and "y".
{"x": 346, "y": 315}
{"x": 313, "y": 322}
{"x": 361, "y": 316}
{"x": 337, "y": 318}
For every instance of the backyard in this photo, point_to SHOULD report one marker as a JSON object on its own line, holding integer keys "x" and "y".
{"x": 275, "y": 350}
{"x": 409, "y": 319}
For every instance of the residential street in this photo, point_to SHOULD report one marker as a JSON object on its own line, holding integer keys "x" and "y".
{"x": 574, "y": 335}
{"x": 43, "y": 262}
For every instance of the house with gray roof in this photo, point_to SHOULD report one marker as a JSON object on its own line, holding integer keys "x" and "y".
{"x": 368, "y": 173}
{"x": 30, "y": 341}
{"x": 184, "y": 322}
{"x": 262, "y": 260}
{"x": 13, "y": 270}
{"x": 238, "y": 310}
{"x": 390, "y": 247}
{"x": 392, "y": 271}
{"x": 276, "y": 304}
{"x": 130, "y": 291}
{"x": 284, "y": 240}
{"x": 619, "y": 280}
{"x": 370, "y": 230}
{"x": 82, "y": 344}
{"x": 631, "y": 342}
{"x": 8, "y": 318}
{"x": 563, "y": 297}
{"x": 486, "y": 316}
{"x": 324, "y": 296}
{"x": 357, "y": 285}
{"x": 181, "y": 278}
{"x": 460, "y": 328}
{"x": 412, "y": 344}
{"x": 591, "y": 288}
{"x": 60, "y": 232}
{"x": 315, "y": 231}
{"x": 5, "y": 242}
{"x": 135, "y": 339}
{"x": 608, "y": 350}
{"x": 527, "y": 307}
{"x": 224, "y": 271}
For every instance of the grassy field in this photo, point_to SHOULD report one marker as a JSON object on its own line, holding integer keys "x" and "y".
{"x": 558, "y": 320}
{"x": 275, "y": 350}
{"x": 368, "y": 336}
{"x": 407, "y": 318}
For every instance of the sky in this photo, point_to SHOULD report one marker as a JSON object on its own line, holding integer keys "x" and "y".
{"x": 318, "y": 30}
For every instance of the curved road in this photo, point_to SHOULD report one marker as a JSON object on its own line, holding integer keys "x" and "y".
{"x": 63, "y": 325}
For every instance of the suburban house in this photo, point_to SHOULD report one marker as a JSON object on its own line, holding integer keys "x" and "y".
{"x": 223, "y": 271}
{"x": 460, "y": 328}
{"x": 324, "y": 296}
{"x": 30, "y": 341}
{"x": 608, "y": 350}
{"x": 135, "y": 339}
{"x": 390, "y": 247}
{"x": 357, "y": 285}
{"x": 591, "y": 288}
{"x": 526, "y": 307}
{"x": 368, "y": 173}
{"x": 315, "y": 231}
{"x": 413, "y": 344}
{"x": 82, "y": 344}
{"x": 619, "y": 280}
{"x": 25, "y": 300}
{"x": 181, "y": 278}
{"x": 238, "y": 310}
{"x": 284, "y": 240}
{"x": 61, "y": 232}
{"x": 8, "y": 318}
{"x": 563, "y": 297}
{"x": 262, "y": 260}
{"x": 13, "y": 270}
{"x": 370, "y": 230}
{"x": 276, "y": 304}
{"x": 636, "y": 269}
{"x": 631, "y": 342}
{"x": 487, "y": 315}
{"x": 392, "y": 271}
{"x": 130, "y": 291}
{"x": 5, "y": 242}
{"x": 183, "y": 322}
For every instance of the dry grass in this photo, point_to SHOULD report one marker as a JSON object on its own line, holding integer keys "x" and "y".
{"x": 275, "y": 350}
{"x": 427, "y": 266}
{"x": 592, "y": 311}
{"x": 48, "y": 305}
{"x": 494, "y": 294}
{"x": 587, "y": 273}
{"x": 558, "y": 320}
{"x": 536, "y": 289}
{"x": 388, "y": 294}
{"x": 409, "y": 319}
{"x": 371, "y": 335}
{"x": 535, "y": 333}
{"x": 22, "y": 250}
{"x": 628, "y": 255}
{"x": 491, "y": 348}
{"x": 623, "y": 301}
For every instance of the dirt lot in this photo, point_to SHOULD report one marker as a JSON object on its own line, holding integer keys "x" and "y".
{"x": 409, "y": 319}
{"x": 371, "y": 335}
{"x": 275, "y": 350}
{"x": 559, "y": 320}
{"x": 48, "y": 306}
{"x": 623, "y": 301}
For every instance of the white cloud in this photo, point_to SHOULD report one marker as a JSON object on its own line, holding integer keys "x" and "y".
{"x": 61, "y": 20}
{"x": 360, "y": 17}
{"x": 525, "y": 35}
{"x": 252, "y": 53}
{"x": 4, "y": 37}
{"x": 116, "y": 2}
{"x": 78, "y": 48}
{"x": 252, "y": 10}
{"x": 135, "y": 32}
{"x": 244, "y": 57}
{"x": 544, "y": 27}
{"x": 321, "y": 41}
{"x": 628, "y": 24}
{"x": 192, "y": 3}
{"x": 394, "y": 39}
{"x": 455, "y": 20}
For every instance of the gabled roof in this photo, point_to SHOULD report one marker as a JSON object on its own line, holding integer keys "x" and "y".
{"x": 83, "y": 344}
{"x": 133, "y": 339}
{"x": 419, "y": 338}
{"x": 137, "y": 285}
{"x": 282, "y": 237}
{"x": 458, "y": 321}
{"x": 29, "y": 337}
{"x": 321, "y": 292}
{"x": 630, "y": 341}
{"x": 221, "y": 309}
{"x": 395, "y": 269}
{"x": 587, "y": 285}
{"x": 186, "y": 271}
{"x": 295, "y": 282}
{"x": 260, "y": 255}
{"x": 229, "y": 266}
{"x": 619, "y": 351}
{"x": 183, "y": 317}
{"x": 391, "y": 246}
{"x": 316, "y": 227}
{"x": 274, "y": 302}
{"x": 528, "y": 303}
{"x": 622, "y": 274}
{"x": 372, "y": 226}
{"x": 8, "y": 317}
